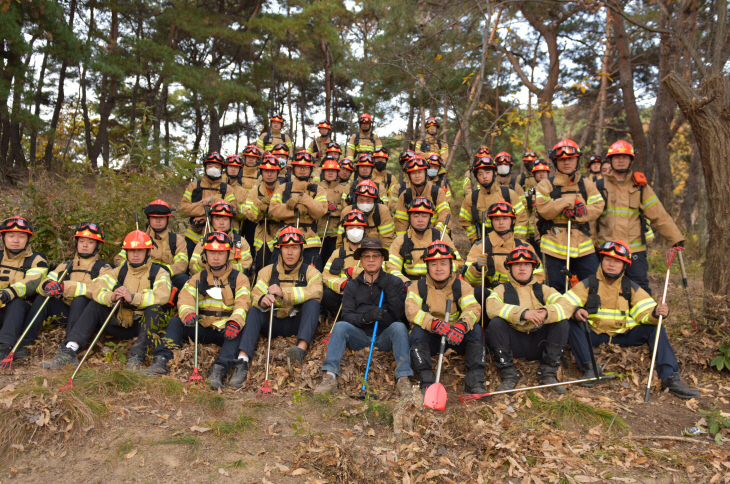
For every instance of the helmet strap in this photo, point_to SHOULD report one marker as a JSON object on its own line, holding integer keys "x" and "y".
{"x": 624, "y": 170}
{"x": 146, "y": 258}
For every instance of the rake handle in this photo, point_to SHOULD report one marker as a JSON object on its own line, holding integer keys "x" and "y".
{"x": 656, "y": 336}
{"x": 567, "y": 257}
{"x": 103, "y": 326}
{"x": 483, "y": 271}
{"x": 268, "y": 351}
{"x": 442, "y": 348}
{"x": 372, "y": 345}
{"x": 197, "y": 311}
{"x": 686, "y": 289}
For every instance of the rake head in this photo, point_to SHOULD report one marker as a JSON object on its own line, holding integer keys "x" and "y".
{"x": 671, "y": 254}
{"x": 6, "y": 364}
{"x": 265, "y": 392}
{"x": 68, "y": 386}
{"x": 195, "y": 379}
{"x": 471, "y": 397}
{"x": 325, "y": 341}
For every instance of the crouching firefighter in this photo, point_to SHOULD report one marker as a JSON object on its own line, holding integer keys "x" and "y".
{"x": 143, "y": 287}
{"x": 528, "y": 321}
{"x": 294, "y": 288}
{"x": 341, "y": 267}
{"x": 221, "y": 218}
{"x": 617, "y": 310}
{"x": 70, "y": 296}
{"x": 223, "y": 301}
{"x": 426, "y": 307}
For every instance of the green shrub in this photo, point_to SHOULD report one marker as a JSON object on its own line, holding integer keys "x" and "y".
{"x": 723, "y": 357}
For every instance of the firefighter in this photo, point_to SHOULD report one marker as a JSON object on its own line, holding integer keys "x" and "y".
{"x": 470, "y": 181}
{"x": 221, "y": 219}
{"x": 528, "y": 320}
{"x": 478, "y": 202}
{"x": 380, "y": 171}
{"x": 594, "y": 167}
{"x": 294, "y": 287}
{"x": 335, "y": 190}
{"x": 334, "y": 150}
{"x": 540, "y": 172}
{"x": 400, "y": 187}
{"x": 142, "y": 286}
{"x": 527, "y": 179}
{"x": 364, "y": 170}
{"x": 318, "y": 146}
{"x": 301, "y": 204}
{"x": 250, "y": 177}
{"x": 341, "y": 267}
{"x": 234, "y": 165}
{"x": 426, "y": 308}
{"x": 224, "y": 298}
{"x": 364, "y": 141}
{"x": 567, "y": 196}
{"x": 421, "y": 186}
{"x": 605, "y": 168}
{"x": 431, "y": 144}
{"x": 21, "y": 271}
{"x": 281, "y": 153}
{"x": 257, "y": 210}
{"x": 70, "y": 297}
{"x": 505, "y": 177}
{"x": 347, "y": 168}
{"x": 437, "y": 174}
{"x": 269, "y": 139}
{"x": 620, "y": 312}
{"x": 168, "y": 249}
{"x": 204, "y": 193}
{"x": 380, "y": 223}
{"x": 405, "y": 258}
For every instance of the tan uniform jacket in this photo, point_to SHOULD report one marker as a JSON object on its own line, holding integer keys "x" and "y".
{"x": 18, "y": 282}
{"x": 500, "y": 251}
{"x": 162, "y": 254}
{"x": 293, "y": 296}
{"x": 274, "y": 138}
{"x": 439, "y": 218}
{"x": 77, "y": 280}
{"x": 217, "y": 312}
{"x": 210, "y": 188}
{"x": 239, "y": 257}
{"x": 363, "y": 145}
{"x": 250, "y": 177}
{"x": 436, "y": 301}
{"x": 334, "y": 191}
{"x": 432, "y": 146}
{"x": 256, "y": 209}
{"x": 555, "y": 305}
{"x": 240, "y": 193}
{"x": 399, "y": 266}
{"x": 486, "y": 199}
{"x": 318, "y": 146}
{"x": 310, "y": 208}
{"x": 395, "y": 192}
{"x": 335, "y": 280}
{"x": 383, "y": 231}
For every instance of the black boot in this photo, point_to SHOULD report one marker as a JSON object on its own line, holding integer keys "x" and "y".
{"x": 64, "y": 357}
{"x": 548, "y": 371}
{"x": 240, "y": 372}
{"x": 216, "y": 375}
{"x": 590, "y": 374}
{"x": 421, "y": 364}
{"x": 677, "y": 388}
{"x": 475, "y": 359}
{"x": 506, "y": 364}
{"x": 158, "y": 367}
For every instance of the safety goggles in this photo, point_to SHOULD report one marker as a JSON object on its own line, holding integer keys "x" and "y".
{"x": 366, "y": 190}
{"x": 365, "y": 118}
{"x": 222, "y": 209}
{"x": 355, "y": 217}
{"x": 417, "y": 163}
{"x": 346, "y": 163}
{"x": 270, "y": 163}
{"x": 364, "y": 160}
{"x": 521, "y": 254}
{"x": 16, "y": 224}
{"x": 564, "y": 151}
{"x": 437, "y": 251}
{"x": 304, "y": 156}
{"x": 333, "y": 148}
{"x": 421, "y": 205}
{"x": 217, "y": 241}
{"x": 252, "y": 151}
{"x": 324, "y": 124}
{"x": 617, "y": 248}
{"x": 214, "y": 158}
{"x": 291, "y": 238}
{"x": 277, "y": 118}
{"x": 435, "y": 160}
{"x": 234, "y": 160}
{"x": 501, "y": 209}
{"x": 529, "y": 156}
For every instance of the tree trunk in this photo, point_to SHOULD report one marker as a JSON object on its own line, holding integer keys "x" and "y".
{"x": 214, "y": 141}
{"x": 708, "y": 111}
{"x": 37, "y": 110}
{"x": 688, "y": 212}
{"x": 327, "y": 81}
{"x": 603, "y": 95}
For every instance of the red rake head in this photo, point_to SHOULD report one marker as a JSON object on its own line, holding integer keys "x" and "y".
{"x": 265, "y": 392}
{"x": 470, "y": 397}
{"x": 68, "y": 386}
{"x": 195, "y": 379}
{"x": 6, "y": 364}
{"x": 671, "y": 254}
{"x": 326, "y": 341}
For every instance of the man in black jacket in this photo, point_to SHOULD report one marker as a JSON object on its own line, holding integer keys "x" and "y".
{"x": 360, "y": 310}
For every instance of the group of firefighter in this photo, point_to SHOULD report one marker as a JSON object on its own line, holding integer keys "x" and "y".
{"x": 279, "y": 242}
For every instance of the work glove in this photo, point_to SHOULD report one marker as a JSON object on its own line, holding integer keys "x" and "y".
{"x": 198, "y": 225}
{"x": 679, "y": 245}
{"x": 342, "y": 287}
{"x": 4, "y": 297}
{"x": 190, "y": 320}
{"x": 292, "y": 202}
{"x": 231, "y": 331}
{"x": 265, "y": 201}
{"x": 408, "y": 284}
{"x": 349, "y": 271}
{"x": 303, "y": 212}
{"x": 481, "y": 262}
{"x": 387, "y": 284}
{"x": 331, "y": 207}
{"x": 376, "y": 314}
{"x": 568, "y": 213}
{"x": 580, "y": 209}
{"x": 439, "y": 327}
{"x": 53, "y": 288}
{"x": 456, "y": 333}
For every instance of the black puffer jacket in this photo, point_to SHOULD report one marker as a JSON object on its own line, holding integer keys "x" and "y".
{"x": 360, "y": 297}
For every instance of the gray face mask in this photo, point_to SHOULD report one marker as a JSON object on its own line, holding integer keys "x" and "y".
{"x": 432, "y": 173}
{"x": 503, "y": 169}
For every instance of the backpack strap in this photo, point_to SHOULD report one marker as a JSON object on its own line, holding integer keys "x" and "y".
{"x": 408, "y": 197}
{"x": 505, "y": 194}
{"x": 423, "y": 293}
{"x": 434, "y": 193}
{"x": 510, "y": 294}
{"x": 95, "y": 269}
{"x": 121, "y": 276}
{"x": 154, "y": 269}
{"x": 523, "y": 177}
{"x": 172, "y": 240}
{"x": 376, "y": 214}
{"x": 626, "y": 286}
{"x": 537, "y": 291}
{"x": 197, "y": 194}
{"x": 301, "y": 281}
{"x": 425, "y": 145}
{"x": 339, "y": 262}
{"x": 475, "y": 213}
{"x": 593, "y": 301}
{"x": 267, "y": 139}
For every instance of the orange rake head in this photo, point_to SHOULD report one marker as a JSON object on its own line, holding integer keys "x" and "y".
{"x": 195, "y": 379}
{"x": 68, "y": 386}
{"x": 6, "y": 364}
{"x": 672, "y": 253}
{"x": 472, "y": 397}
{"x": 265, "y": 392}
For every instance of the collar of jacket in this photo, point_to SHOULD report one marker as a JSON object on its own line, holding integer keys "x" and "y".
{"x": 413, "y": 235}
{"x": 381, "y": 274}
{"x": 611, "y": 177}
{"x": 283, "y": 270}
{"x": 79, "y": 262}
{"x": 497, "y": 241}
{"x": 367, "y": 134}
{"x": 232, "y": 181}
{"x": 330, "y": 184}
{"x": 207, "y": 182}
{"x": 250, "y": 171}
{"x": 449, "y": 282}
{"x": 140, "y": 271}
{"x": 299, "y": 186}
{"x": 158, "y": 235}
{"x": 276, "y": 132}
{"x": 21, "y": 256}
{"x": 602, "y": 279}
{"x": 426, "y": 191}
{"x": 223, "y": 277}
{"x": 563, "y": 180}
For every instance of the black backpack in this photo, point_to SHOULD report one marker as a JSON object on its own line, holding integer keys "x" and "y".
{"x": 339, "y": 262}
{"x": 423, "y": 292}
{"x": 203, "y": 287}
{"x": 511, "y": 297}
{"x": 27, "y": 263}
{"x": 426, "y": 145}
{"x": 301, "y": 281}
{"x": 357, "y": 141}
{"x": 197, "y": 194}
{"x": 406, "y": 250}
{"x": 593, "y": 301}
{"x": 544, "y": 226}
{"x": 488, "y": 251}
{"x": 154, "y": 269}
{"x": 94, "y": 272}
{"x": 476, "y": 220}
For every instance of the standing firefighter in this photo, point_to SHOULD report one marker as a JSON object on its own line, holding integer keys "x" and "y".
{"x": 295, "y": 289}
{"x": 421, "y": 186}
{"x": 269, "y": 139}
{"x": 221, "y": 217}
{"x": 527, "y": 179}
{"x": 70, "y": 297}
{"x": 364, "y": 141}
{"x": 437, "y": 175}
{"x": 470, "y": 182}
{"x": 528, "y": 321}
{"x": 318, "y": 146}
{"x": 21, "y": 272}
{"x": 566, "y": 201}
{"x": 234, "y": 165}
{"x": 169, "y": 249}
{"x": 256, "y": 210}
{"x": 301, "y": 204}
{"x": 204, "y": 193}
{"x": 620, "y": 312}
{"x": 540, "y": 172}
{"x": 143, "y": 287}
{"x": 380, "y": 223}
{"x": 630, "y": 203}
{"x": 380, "y": 172}
{"x": 431, "y": 144}
{"x": 224, "y": 300}
{"x": 595, "y": 162}
{"x": 335, "y": 189}
{"x": 426, "y": 308}
{"x": 480, "y": 200}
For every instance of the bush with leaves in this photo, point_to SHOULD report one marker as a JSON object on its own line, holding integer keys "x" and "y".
{"x": 722, "y": 360}
{"x": 719, "y": 423}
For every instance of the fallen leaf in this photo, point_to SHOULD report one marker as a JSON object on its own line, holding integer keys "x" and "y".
{"x": 202, "y": 430}
{"x": 222, "y": 472}
{"x": 131, "y": 454}
{"x": 300, "y": 472}
{"x": 19, "y": 447}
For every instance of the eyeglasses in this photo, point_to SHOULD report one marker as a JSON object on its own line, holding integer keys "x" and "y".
{"x": 371, "y": 256}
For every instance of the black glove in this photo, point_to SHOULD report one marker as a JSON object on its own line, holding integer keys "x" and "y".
{"x": 679, "y": 245}
{"x": 387, "y": 284}
{"x": 580, "y": 209}
{"x": 373, "y": 315}
{"x": 4, "y": 297}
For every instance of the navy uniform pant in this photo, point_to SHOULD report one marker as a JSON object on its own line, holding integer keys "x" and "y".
{"x": 303, "y": 325}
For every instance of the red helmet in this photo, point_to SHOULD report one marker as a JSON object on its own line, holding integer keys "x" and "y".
{"x": 333, "y": 148}
{"x": 432, "y": 122}
{"x": 435, "y": 159}
{"x": 354, "y": 217}
{"x": 303, "y": 158}
{"x": 564, "y": 149}
{"x": 330, "y": 164}
{"x": 529, "y": 156}
{"x": 483, "y": 162}
{"x": 416, "y": 163}
{"x": 503, "y": 158}
{"x": 381, "y": 152}
{"x": 269, "y": 163}
{"x": 324, "y": 124}
{"x": 521, "y": 254}
{"x": 501, "y": 209}
{"x": 540, "y": 166}
{"x": 616, "y": 249}
{"x": 89, "y": 230}
{"x": 16, "y": 224}
{"x": 620, "y": 148}
{"x": 137, "y": 240}
{"x": 158, "y": 208}
{"x": 278, "y": 118}
{"x": 252, "y": 150}
{"x": 234, "y": 160}
{"x": 280, "y": 149}
{"x": 367, "y": 188}
{"x": 595, "y": 159}
{"x": 422, "y": 205}
{"x": 438, "y": 250}
{"x": 290, "y": 236}
{"x": 482, "y": 151}
{"x": 347, "y": 163}
{"x": 222, "y": 209}
{"x": 364, "y": 160}
{"x": 214, "y": 157}
{"x": 365, "y": 118}
{"x": 217, "y": 241}
{"x": 405, "y": 157}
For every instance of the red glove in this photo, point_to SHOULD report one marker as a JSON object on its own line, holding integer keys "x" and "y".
{"x": 190, "y": 319}
{"x": 349, "y": 272}
{"x": 53, "y": 288}
{"x": 580, "y": 209}
{"x": 331, "y": 207}
{"x": 568, "y": 213}
{"x": 408, "y": 284}
{"x": 232, "y": 330}
{"x": 439, "y": 327}
{"x": 342, "y": 287}
{"x": 456, "y": 333}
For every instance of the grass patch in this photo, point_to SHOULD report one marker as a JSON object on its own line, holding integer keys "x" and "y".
{"x": 377, "y": 411}
{"x": 123, "y": 449}
{"x": 214, "y": 402}
{"x": 241, "y": 424}
{"x": 186, "y": 439}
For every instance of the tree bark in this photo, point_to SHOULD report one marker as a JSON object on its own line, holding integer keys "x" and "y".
{"x": 214, "y": 140}
{"x": 603, "y": 95}
{"x": 327, "y": 81}
{"x": 37, "y": 110}
{"x": 688, "y": 212}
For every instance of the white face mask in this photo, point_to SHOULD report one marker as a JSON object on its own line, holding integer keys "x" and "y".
{"x": 365, "y": 208}
{"x": 355, "y": 235}
{"x": 282, "y": 162}
{"x": 213, "y": 171}
{"x": 432, "y": 173}
{"x": 503, "y": 169}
